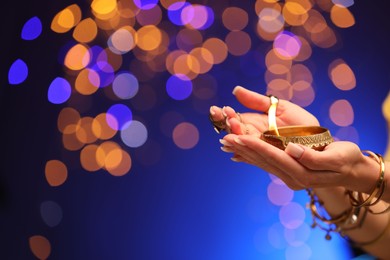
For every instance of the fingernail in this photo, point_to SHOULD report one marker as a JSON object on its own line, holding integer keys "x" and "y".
{"x": 237, "y": 140}
{"x": 227, "y": 122}
{"x": 226, "y": 149}
{"x": 212, "y": 112}
{"x": 225, "y": 143}
{"x": 294, "y": 150}
{"x": 223, "y": 112}
{"x": 235, "y": 90}
{"x": 234, "y": 159}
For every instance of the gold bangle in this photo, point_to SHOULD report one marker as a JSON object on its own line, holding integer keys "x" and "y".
{"x": 357, "y": 199}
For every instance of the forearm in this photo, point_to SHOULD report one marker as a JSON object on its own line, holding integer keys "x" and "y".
{"x": 368, "y": 227}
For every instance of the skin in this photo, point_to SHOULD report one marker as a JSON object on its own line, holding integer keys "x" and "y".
{"x": 339, "y": 167}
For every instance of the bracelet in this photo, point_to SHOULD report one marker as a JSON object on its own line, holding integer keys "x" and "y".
{"x": 357, "y": 199}
{"x": 334, "y": 224}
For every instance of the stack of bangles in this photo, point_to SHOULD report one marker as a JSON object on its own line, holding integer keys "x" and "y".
{"x": 360, "y": 206}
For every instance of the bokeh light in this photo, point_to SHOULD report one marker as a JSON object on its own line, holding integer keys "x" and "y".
{"x": 59, "y": 91}
{"x": 32, "y": 29}
{"x": 40, "y": 246}
{"x": 18, "y": 72}
{"x": 185, "y": 135}
{"x": 56, "y": 172}
{"x": 51, "y": 213}
{"x": 341, "y": 112}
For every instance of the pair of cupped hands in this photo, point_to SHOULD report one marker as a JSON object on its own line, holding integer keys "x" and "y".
{"x": 299, "y": 167}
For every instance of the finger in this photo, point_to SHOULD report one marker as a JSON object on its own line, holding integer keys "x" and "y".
{"x": 239, "y": 128}
{"x": 251, "y": 99}
{"x": 255, "y": 157}
{"x": 287, "y": 165}
{"x": 216, "y": 113}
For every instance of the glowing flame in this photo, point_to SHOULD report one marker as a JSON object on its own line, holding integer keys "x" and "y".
{"x": 272, "y": 115}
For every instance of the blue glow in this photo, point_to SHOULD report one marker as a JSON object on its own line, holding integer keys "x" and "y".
{"x": 18, "y": 72}
{"x": 59, "y": 91}
{"x": 179, "y": 87}
{"x": 344, "y": 3}
{"x": 32, "y": 29}
{"x": 51, "y": 213}
{"x": 105, "y": 72}
{"x": 145, "y": 4}
{"x": 125, "y": 85}
{"x": 210, "y": 18}
{"x": 119, "y": 116}
{"x": 174, "y": 12}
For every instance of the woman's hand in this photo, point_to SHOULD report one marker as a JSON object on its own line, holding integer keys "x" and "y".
{"x": 255, "y": 123}
{"x": 340, "y": 164}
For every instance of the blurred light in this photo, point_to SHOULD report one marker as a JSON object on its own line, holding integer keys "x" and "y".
{"x": 40, "y": 246}
{"x": 18, "y": 72}
{"x": 292, "y": 215}
{"x": 197, "y": 16}
{"x": 100, "y": 127}
{"x": 217, "y": 48}
{"x": 301, "y": 252}
{"x": 88, "y": 158}
{"x": 85, "y": 31}
{"x": 279, "y": 194}
{"x": 167, "y": 3}
{"x": 348, "y": 133}
{"x": 151, "y": 16}
{"x": 78, "y": 57}
{"x": 125, "y": 85}
{"x": 87, "y": 82}
{"x": 145, "y": 4}
{"x": 297, "y": 236}
{"x": 68, "y": 116}
{"x": 84, "y": 131}
{"x": 103, "y": 74}
{"x": 59, "y": 91}
{"x": 185, "y": 135}
{"x": 32, "y": 29}
{"x": 118, "y": 116}
{"x": 270, "y": 20}
{"x": 121, "y": 167}
{"x": 276, "y": 64}
{"x": 56, "y": 172}
{"x": 187, "y": 39}
{"x": 66, "y": 19}
{"x": 341, "y": 113}
{"x": 275, "y": 236}
{"x": 104, "y": 9}
{"x": 343, "y": 3}
{"x": 51, "y": 213}
{"x": 235, "y": 18}
{"x": 149, "y": 37}
{"x": 341, "y": 75}
{"x": 122, "y": 40}
{"x": 238, "y": 42}
{"x": 175, "y": 10}
{"x": 134, "y": 134}
{"x": 295, "y": 13}
{"x": 179, "y": 87}
{"x": 287, "y": 45}
{"x": 342, "y": 17}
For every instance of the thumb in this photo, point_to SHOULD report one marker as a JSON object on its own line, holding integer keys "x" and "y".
{"x": 308, "y": 157}
{"x": 295, "y": 150}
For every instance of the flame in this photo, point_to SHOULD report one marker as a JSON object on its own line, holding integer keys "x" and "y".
{"x": 272, "y": 115}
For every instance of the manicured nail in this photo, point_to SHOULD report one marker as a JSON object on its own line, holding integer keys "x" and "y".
{"x": 223, "y": 112}
{"x": 294, "y": 150}
{"x": 234, "y": 159}
{"x": 237, "y": 140}
{"x": 227, "y": 122}
{"x": 227, "y": 149}
{"x": 212, "y": 111}
{"x": 235, "y": 90}
{"x": 225, "y": 143}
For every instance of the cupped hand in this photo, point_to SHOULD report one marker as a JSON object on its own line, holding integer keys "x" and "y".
{"x": 300, "y": 167}
{"x": 256, "y": 122}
